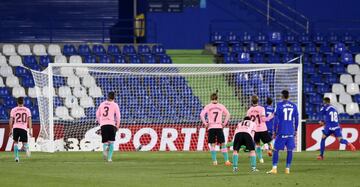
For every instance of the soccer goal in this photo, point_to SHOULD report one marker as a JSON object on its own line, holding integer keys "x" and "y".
{"x": 159, "y": 103}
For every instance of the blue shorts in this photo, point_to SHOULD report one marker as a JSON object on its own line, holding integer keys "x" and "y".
{"x": 282, "y": 140}
{"x": 335, "y": 131}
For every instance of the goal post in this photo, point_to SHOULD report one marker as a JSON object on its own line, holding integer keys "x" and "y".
{"x": 160, "y": 104}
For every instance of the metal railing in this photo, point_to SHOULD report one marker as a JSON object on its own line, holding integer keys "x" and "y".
{"x": 278, "y": 12}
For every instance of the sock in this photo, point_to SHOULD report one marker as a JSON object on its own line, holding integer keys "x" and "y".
{"x": 213, "y": 153}
{"x": 235, "y": 160}
{"x": 322, "y": 146}
{"x": 225, "y": 153}
{"x": 253, "y": 159}
{"x": 105, "y": 146}
{"x": 289, "y": 158}
{"x": 16, "y": 150}
{"x": 26, "y": 146}
{"x": 259, "y": 152}
{"x": 275, "y": 157}
{"x": 343, "y": 141}
{"x": 111, "y": 150}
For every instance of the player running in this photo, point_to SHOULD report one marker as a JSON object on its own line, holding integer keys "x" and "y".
{"x": 286, "y": 114}
{"x": 108, "y": 116}
{"x": 20, "y": 120}
{"x": 244, "y": 133}
{"x": 330, "y": 119}
{"x": 257, "y": 114}
{"x": 215, "y": 112}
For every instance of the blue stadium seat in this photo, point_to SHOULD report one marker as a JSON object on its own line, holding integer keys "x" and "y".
{"x": 35, "y": 112}
{"x": 348, "y": 38}
{"x": 258, "y": 58}
{"x": 69, "y": 50}
{"x": 316, "y": 79}
{"x": 347, "y": 58}
{"x": 332, "y": 79}
{"x": 119, "y": 59}
{"x": 325, "y": 69}
{"x": 275, "y": 37}
{"x": 324, "y": 88}
{"x": 281, "y": 48}
{"x": 4, "y": 92}
{"x": 98, "y": 49}
{"x": 332, "y": 59}
{"x": 339, "y": 69}
{"x": 217, "y": 38}
{"x": 266, "y": 48}
{"x": 90, "y": 59}
{"x": 261, "y": 38}
{"x": 357, "y": 98}
{"x": 309, "y": 88}
{"x": 222, "y": 49}
{"x": 28, "y": 83}
{"x": 274, "y": 59}
{"x": 237, "y": 48}
{"x": 134, "y": 59}
{"x": 158, "y": 50}
{"x": 290, "y": 38}
{"x": 246, "y": 38}
{"x": 59, "y": 81}
{"x": 357, "y": 116}
{"x": 339, "y": 48}
{"x": 229, "y": 58}
{"x": 333, "y": 38}
{"x": 149, "y": 59}
{"x": 9, "y": 102}
{"x": 319, "y": 38}
{"x": 27, "y": 102}
{"x": 325, "y": 49}
{"x": 244, "y": 58}
{"x": 315, "y": 98}
{"x": 165, "y": 59}
{"x": 3, "y": 113}
{"x": 44, "y": 61}
{"x": 129, "y": 50}
{"x": 304, "y": 38}
{"x": 344, "y": 116}
{"x": 288, "y": 57}
{"x": 113, "y": 50}
{"x": 317, "y": 59}
{"x": 354, "y": 48}
{"x": 29, "y": 61}
{"x": 144, "y": 50}
{"x": 309, "y": 68}
{"x": 232, "y": 38}
{"x": 22, "y": 72}
{"x": 84, "y": 50}
{"x": 296, "y": 49}
{"x": 310, "y": 48}
{"x": 105, "y": 59}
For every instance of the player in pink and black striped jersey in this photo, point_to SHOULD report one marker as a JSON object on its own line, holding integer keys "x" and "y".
{"x": 214, "y": 122}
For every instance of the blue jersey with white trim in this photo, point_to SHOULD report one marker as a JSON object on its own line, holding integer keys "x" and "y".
{"x": 329, "y": 115}
{"x": 287, "y": 118}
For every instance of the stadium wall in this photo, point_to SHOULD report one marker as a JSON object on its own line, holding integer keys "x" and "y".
{"x": 175, "y": 137}
{"x": 191, "y": 28}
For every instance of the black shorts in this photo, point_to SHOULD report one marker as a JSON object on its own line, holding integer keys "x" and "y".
{"x": 108, "y": 133}
{"x": 216, "y": 136}
{"x": 263, "y": 136}
{"x": 20, "y": 135}
{"x": 243, "y": 138}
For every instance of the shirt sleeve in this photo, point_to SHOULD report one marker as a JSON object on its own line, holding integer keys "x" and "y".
{"x": 117, "y": 113}
{"x": 98, "y": 114}
{"x": 276, "y": 118}
{"x": 296, "y": 119}
{"x": 28, "y": 112}
{"x": 12, "y": 113}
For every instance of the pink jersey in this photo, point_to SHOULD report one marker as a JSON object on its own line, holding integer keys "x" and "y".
{"x": 257, "y": 115}
{"x": 247, "y": 126}
{"x": 21, "y": 117}
{"x": 107, "y": 112}
{"x": 215, "y": 112}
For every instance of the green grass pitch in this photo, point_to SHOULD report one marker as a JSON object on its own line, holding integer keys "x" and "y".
{"x": 174, "y": 169}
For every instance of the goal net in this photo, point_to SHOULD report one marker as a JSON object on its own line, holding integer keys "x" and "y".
{"x": 160, "y": 104}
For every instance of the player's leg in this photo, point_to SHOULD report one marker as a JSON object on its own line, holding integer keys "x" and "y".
{"x": 258, "y": 147}
{"x": 224, "y": 150}
{"x": 338, "y": 134}
{"x": 24, "y": 140}
{"x": 278, "y": 145}
{"x": 112, "y": 134}
{"x": 211, "y": 141}
{"x": 322, "y": 144}
{"x": 236, "y": 148}
{"x": 290, "y": 146}
{"x": 104, "y": 140}
{"x": 250, "y": 146}
{"x": 16, "y": 137}
{"x": 266, "y": 138}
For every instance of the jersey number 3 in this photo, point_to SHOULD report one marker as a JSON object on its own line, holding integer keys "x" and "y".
{"x": 106, "y": 112}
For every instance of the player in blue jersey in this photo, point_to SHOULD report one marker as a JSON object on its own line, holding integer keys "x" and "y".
{"x": 330, "y": 119}
{"x": 286, "y": 114}
{"x": 269, "y": 109}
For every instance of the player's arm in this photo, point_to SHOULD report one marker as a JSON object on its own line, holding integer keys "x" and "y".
{"x": 30, "y": 126}
{"x": 227, "y": 116}
{"x": 117, "y": 112}
{"x": 202, "y": 116}
{"x": 296, "y": 120}
{"x": 322, "y": 114}
{"x": 11, "y": 122}
{"x": 98, "y": 115}
{"x": 276, "y": 119}
{"x": 263, "y": 117}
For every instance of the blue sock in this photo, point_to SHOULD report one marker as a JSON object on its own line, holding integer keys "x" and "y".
{"x": 105, "y": 146}
{"x": 26, "y": 146}
{"x": 275, "y": 157}
{"x": 225, "y": 153}
{"x": 343, "y": 141}
{"x": 16, "y": 150}
{"x": 235, "y": 160}
{"x": 322, "y": 146}
{"x": 289, "y": 158}
{"x": 259, "y": 152}
{"x": 111, "y": 150}
{"x": 253, "y": 161}
{"x": 213, "y": 155}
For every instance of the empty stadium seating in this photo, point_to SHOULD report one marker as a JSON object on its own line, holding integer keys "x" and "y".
{"x": 330, "y": 63}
